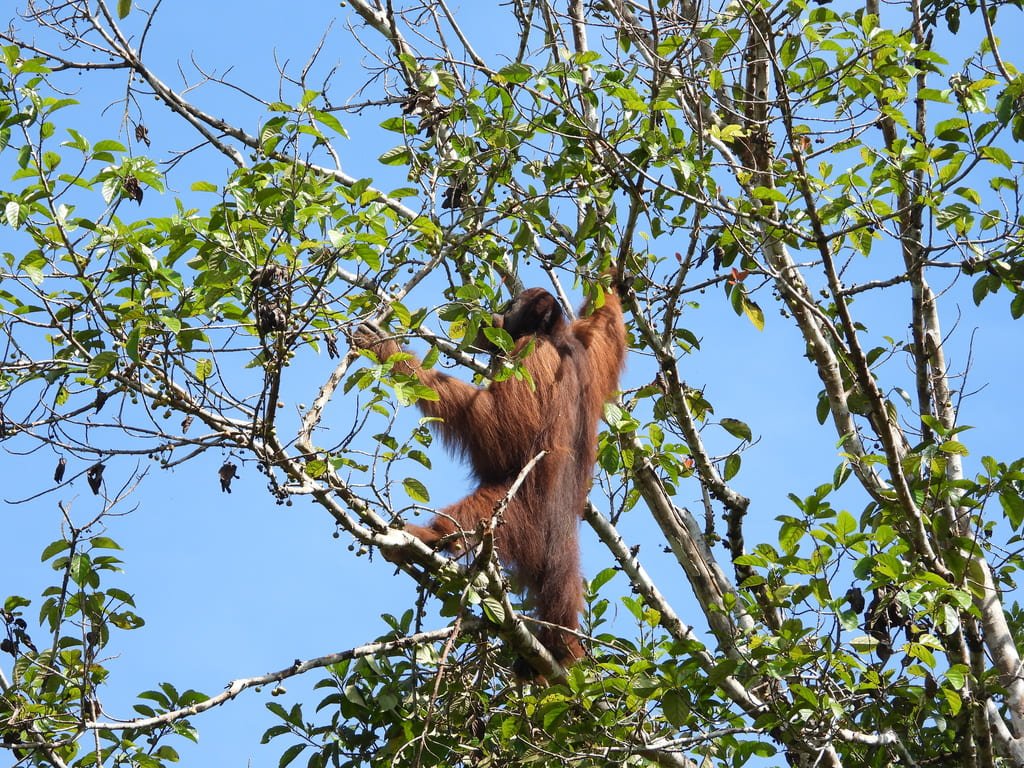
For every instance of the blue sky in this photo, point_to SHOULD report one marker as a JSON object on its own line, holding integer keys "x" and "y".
{"x": 233, "y": 585}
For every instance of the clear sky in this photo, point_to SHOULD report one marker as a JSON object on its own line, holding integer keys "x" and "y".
{"x": 233, "y": 585}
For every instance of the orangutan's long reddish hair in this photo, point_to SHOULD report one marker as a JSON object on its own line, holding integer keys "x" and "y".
{"x": 575, "y": 368}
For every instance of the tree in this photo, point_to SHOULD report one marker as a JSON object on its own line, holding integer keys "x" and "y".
{"x": 837, "y": 165}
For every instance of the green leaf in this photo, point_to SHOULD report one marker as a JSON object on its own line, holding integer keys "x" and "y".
{"x": 290, "y": 754}
{"x": 500, "y": 338}
{"x": 953, "y": 699}
{"x": 952, "y": 129}
{"x": 416, "y": 490}
{"x": 54, "y": 548}
{"x": 401, "y": 313}
{"x": 676, "y": 709}
{"x": 326, "y": 118}
{"x": 754, "y": 313}
{"x": 602, "y": 578}
{"x": 823, "y": 408}
{"x": 1017, "y": 306}
{"x": 845, "y": 525}
{"x": 493, "y": 610}
{"x": 124, "y": 7}
{"x": 957, "y": 675}
{"x": 32, "y": 264}
{"x": 204, "y": 367}
{"x": 953, "y": 446}
{"x": 108, "y": 145}
{"x": 1013, "y": 506}
{"x": 732, "y": 466}
{"x": 171, "y": 323}
{"x": 102, "y": 364}
{"x": 514, "y": 73}
{"x": 132, "y": 345}
{"x": 980, "y": 290}
{"x": 271, "y": 132}
{"x": 554, "y": 713}
{"x": 80, "y": 568}
{"x": 397, "y": 156}
{"x": 13, "y": 602}
{"x": 127, "y": 620}
{"x": 736, "y": 428}
{"x": 11, "y": 212}
{"x": 789, "y": 536}
{"x": 864, "y": 644}
{"x": 997, "y": 155}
